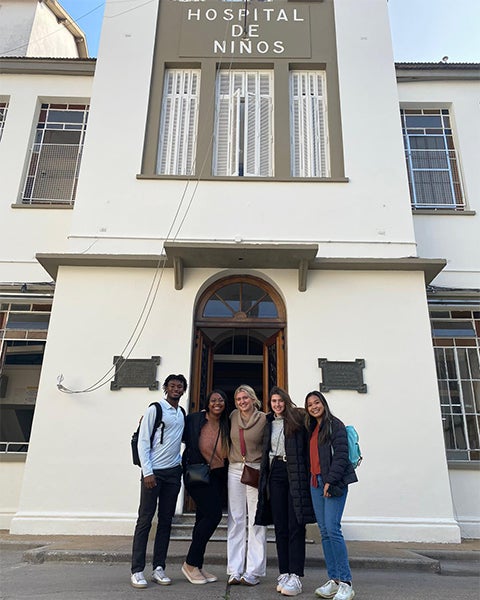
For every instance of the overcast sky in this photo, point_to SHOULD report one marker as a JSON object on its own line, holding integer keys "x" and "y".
{"x": 422, "y": 30}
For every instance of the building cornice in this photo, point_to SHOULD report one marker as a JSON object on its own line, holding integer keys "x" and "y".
{"x": 437, "y": 71}
{"x": 47, "y": 66}
{"x": 66, "y": 20}
{"x": 301, "y": 257}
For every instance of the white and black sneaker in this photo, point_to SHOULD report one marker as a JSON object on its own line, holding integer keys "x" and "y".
{"x": 138, "y": 580}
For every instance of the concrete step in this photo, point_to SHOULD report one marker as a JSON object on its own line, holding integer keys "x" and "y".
{"x": 183, "y": 524}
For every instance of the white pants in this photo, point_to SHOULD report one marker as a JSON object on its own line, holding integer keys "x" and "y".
{"x": 242, "y": 501}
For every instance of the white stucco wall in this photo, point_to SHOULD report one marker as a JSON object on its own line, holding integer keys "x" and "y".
{"x": 26, "y": 230}
{"x": 378, "y": 316}
{"x": 11, "y": 478}
{"x": 454, "y": 237}
{"x": 16, "y": 20}
{"x": 466, "y": 500}
{"x": 29, "y": 28}
{"x": 369, "y": 216}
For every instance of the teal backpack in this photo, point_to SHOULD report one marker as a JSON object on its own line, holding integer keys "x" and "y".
{"x": 354, "y": 452}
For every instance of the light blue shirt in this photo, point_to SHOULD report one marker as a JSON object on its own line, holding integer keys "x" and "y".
{"x": 166, "y": 455}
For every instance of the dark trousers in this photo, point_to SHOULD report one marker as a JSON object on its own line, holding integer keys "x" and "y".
{"x": 209, "y": 502}
{"x": 289, "y": 533}
{"x": 164, "y": 494}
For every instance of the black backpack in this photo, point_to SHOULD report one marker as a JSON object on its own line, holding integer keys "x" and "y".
{"x": 158, "y": 423}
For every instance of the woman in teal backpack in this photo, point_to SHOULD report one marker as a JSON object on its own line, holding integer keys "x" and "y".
{"x": 331, "y": 472}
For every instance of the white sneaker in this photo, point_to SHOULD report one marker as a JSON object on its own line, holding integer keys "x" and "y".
{"x": 138, "y": 580}
{"x": 234, "y": 579}
{"x": 327, "y": 590}
{"x": 248, "y": 579}
{"x": 345, "y": 592}
{"x": 158, "y": 576}
{"x": 293, "y": 586}
{"x": 281, "y": 580}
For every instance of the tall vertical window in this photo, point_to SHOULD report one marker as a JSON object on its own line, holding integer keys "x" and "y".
{"x": 308, "y": 124}
{"x": 432, "y": 161}
{"x": 3, "y": 116}
{"x": 56, "y": 154}
{"x": 244, "y": 124}
{"x": 457, "y": 356}
{"x": 178, "y": 126}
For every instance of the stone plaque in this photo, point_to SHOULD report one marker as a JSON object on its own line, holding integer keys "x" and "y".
{"x": 135, "y": 372}
{"x": 342, "y": 375}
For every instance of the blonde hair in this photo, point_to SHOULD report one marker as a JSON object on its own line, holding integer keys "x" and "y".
{"x": 250, "y": 393}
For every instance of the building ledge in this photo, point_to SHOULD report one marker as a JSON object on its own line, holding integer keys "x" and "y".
{"x": 186, "y": 255}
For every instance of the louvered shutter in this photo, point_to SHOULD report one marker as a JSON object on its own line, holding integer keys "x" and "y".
{"x": 178, "y": 127}
{"x": 309, "y": 137}
{"x": 243, "y": 135}
{"x": 258, "y": 158}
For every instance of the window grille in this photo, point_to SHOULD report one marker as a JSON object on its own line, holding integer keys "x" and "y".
{"x": 23, "y": 331}
{"x": 457, "y": 358}
{"x": 3, "y": 116}
{"x": 431, "y": 158}
{"x": 56, "y": 154}
{"x": 308, "y": 124}
{"x": 244, "y": 124}
{"x": 179, "y": 122}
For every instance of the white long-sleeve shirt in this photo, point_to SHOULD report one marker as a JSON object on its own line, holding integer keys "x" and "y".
{"x": 167, "y": 454}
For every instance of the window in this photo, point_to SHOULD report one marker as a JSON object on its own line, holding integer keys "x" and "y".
{"x": 457, "y": 357}
{"x": 308, "y": 124}
{"x": 244, "y": 124}
{"x": 3, "y": 116}
{"x": 23, "y": 331}
{"x": 432, "y": 161}
{"x": 56, "y": 153}
{"x": 178, "y": 126}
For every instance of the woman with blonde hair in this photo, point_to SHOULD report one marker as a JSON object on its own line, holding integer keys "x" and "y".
{"x": 246, "y": 561}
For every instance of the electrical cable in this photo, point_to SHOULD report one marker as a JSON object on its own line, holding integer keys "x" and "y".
{"x": 150, "y": 299}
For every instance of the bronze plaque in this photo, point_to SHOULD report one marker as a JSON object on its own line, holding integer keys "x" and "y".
{"x": 342, "y": 375}
{"x": 135, "y": 372}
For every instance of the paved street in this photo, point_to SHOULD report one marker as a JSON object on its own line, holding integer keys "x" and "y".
{"x": 96, "y": 581}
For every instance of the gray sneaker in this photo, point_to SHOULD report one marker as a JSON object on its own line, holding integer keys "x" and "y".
{"x": 327, "y": 590}
{"x": 138, "y": 580}
{"x": 158, "y": 576}
{"x": 293, "y": 586}
{"x": 282, "y": 580}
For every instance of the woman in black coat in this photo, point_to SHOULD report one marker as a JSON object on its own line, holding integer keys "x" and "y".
{"x": 206, "y": 438}
{"x": 284, "y": 495}
{"x": 331, "y": 473}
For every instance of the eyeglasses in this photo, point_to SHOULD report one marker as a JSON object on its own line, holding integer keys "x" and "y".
{"x": 217, "y": 401}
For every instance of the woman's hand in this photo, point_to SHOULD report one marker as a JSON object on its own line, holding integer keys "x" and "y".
{"x": 325, "y": 491}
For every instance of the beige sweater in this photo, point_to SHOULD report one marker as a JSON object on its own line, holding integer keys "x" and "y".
{"x": 253, "y": 433}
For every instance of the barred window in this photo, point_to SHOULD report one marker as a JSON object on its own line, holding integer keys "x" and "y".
{"x": 3, "y": 116}
{"x": 432, "y": 161}
{"x": 457, "y": 357}
{"x": 56, "y": 153}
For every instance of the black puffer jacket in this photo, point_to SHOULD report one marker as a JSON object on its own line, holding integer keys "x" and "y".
{"x": 296, "y": 450}
{"x": 336, "y": 469}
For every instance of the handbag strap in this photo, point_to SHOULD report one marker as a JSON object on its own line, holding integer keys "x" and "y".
{"x": 243, "y": 448}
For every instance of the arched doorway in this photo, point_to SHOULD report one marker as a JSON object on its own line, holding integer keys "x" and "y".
{"x": 240, "y": 326}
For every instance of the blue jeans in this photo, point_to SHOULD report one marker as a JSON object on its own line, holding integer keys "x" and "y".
{"x": 328, "y": 512}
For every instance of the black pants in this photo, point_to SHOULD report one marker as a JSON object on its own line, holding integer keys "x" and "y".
{"x": 209, "y": 502}
{"x": 289, "y": 533}
{"x": 164, "y": 494}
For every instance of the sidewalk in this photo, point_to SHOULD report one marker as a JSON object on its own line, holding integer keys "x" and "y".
{"x": 461, "y": 558}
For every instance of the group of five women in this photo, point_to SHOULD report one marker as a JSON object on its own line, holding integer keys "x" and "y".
{"x": 301, "y": 459}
